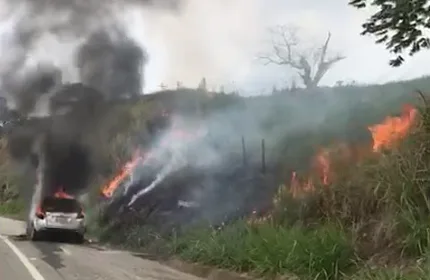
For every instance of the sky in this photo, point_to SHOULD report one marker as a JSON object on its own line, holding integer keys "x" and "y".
{"x": 221, "y": 40}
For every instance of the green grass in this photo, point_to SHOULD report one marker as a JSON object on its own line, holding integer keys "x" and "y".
{"x": 321, "y": 253}
{"x": 12, "y": 209}
{"x": 419, "y": 269}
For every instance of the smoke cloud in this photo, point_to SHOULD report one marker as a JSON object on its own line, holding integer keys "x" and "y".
{"x": 88, "y": 26}
{"x": 112, "y": 63}
{"x": 97, "y": 60}
{"x": 213, "y": 39}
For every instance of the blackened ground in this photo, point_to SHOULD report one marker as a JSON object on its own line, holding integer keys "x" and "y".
{"x": 220, "y": 196}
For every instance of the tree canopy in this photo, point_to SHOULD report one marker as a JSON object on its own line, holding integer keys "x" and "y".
{"x": 399, "y": 24}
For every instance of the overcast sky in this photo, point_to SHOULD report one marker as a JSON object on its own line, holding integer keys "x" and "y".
{"x": 220, "y": 39}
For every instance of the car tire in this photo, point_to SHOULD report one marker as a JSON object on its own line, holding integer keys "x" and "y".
{"x": 33, "y": 234}
{"x": 79, "y": 238}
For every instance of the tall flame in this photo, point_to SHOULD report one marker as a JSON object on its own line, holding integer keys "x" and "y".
{"x": 109, "y": 189}
{"x": 62, "y": 194}
{"x": 175, "y": 134}
{"x": 392, "y": 129}
{"x": 384, "y": 135}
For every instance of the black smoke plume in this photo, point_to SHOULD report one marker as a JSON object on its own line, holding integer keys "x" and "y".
{"x": 65, "y": 149}
{"x": 110, "y": 65}
{"x": 28, "y": 88}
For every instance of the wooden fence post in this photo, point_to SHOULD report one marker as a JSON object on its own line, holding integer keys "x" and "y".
{"x": 263, "y": 156}
{"x": 244, "y": 151}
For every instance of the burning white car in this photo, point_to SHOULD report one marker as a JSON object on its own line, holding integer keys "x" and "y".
{"x": 57, "y": 214}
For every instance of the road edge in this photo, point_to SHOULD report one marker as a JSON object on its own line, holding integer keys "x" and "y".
{"x": 32, "y": 270}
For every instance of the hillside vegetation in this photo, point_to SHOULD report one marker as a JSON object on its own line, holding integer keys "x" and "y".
{"x": 370, "y": 222}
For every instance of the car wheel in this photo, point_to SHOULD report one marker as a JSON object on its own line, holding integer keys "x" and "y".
{"x": 32, "y": 233}
{"x": 79, "y": 238}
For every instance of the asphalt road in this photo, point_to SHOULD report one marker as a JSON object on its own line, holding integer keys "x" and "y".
{"x": 25, "y": 260}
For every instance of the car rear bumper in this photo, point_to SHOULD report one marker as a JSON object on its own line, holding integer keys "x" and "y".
{"x": 77, "y": 226}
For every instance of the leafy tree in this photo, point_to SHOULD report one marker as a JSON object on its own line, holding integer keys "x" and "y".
{"x": 399, "y": 24}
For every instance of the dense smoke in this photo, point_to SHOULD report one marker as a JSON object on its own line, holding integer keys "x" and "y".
{"x": 65, "y": 149}
{"x": 108, "y": 59}
{"x": 108, "y": 62}
{"x": 210, "y": 168}
{"x": 198, "y": 163}
{"x": 112, "y": 63}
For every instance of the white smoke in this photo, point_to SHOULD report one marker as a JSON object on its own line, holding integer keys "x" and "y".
{"x": 38, "y": 187}
{"x": 217, "y": 40}
{"x": 173, "y": 165}
{"x": 173, "y": 152}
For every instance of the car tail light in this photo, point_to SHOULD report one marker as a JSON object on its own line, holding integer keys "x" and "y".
{"x": 39, "y": 213}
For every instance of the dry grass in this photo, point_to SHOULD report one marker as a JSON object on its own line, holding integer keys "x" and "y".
{"x": 375, "y": 212}
{"x": 380, "y": 208}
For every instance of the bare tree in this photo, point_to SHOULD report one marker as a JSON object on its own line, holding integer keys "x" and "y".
{"x": 311, "y": 66}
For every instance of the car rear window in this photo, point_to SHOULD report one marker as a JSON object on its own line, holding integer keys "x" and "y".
{"x": 64, "y": 205}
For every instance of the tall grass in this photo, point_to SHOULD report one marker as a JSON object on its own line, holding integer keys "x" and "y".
{"x": 323, "y": 252}
{"x": 376, "y": 210}
{"x": 12, "y": 209}
{"x": 380, "y": 206}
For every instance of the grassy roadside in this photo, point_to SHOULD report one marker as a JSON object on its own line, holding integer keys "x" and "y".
{"x": 371, "y": 223}
{"x": 11, "y": 205}
{"x": 325, "y": 252}
{"x": 320, "y": 253}
{"x": 13, "y": 209}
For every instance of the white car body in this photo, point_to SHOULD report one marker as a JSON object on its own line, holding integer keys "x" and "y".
{"x": 57, "y": 215}
{"x": 60, "y": 221}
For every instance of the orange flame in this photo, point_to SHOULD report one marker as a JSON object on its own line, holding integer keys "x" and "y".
{"x": 393, "y": 129}
{"x": 62, "y": 194}
{"x": 109, "y": 189}
{"x": 175, "y": 134}
{"x": 384, "y": 135}
{"x": 323, "y": 166}
{"x": 297, "y": 188}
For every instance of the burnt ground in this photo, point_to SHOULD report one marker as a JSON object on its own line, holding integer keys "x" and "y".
{"x": 189, "y": 197}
